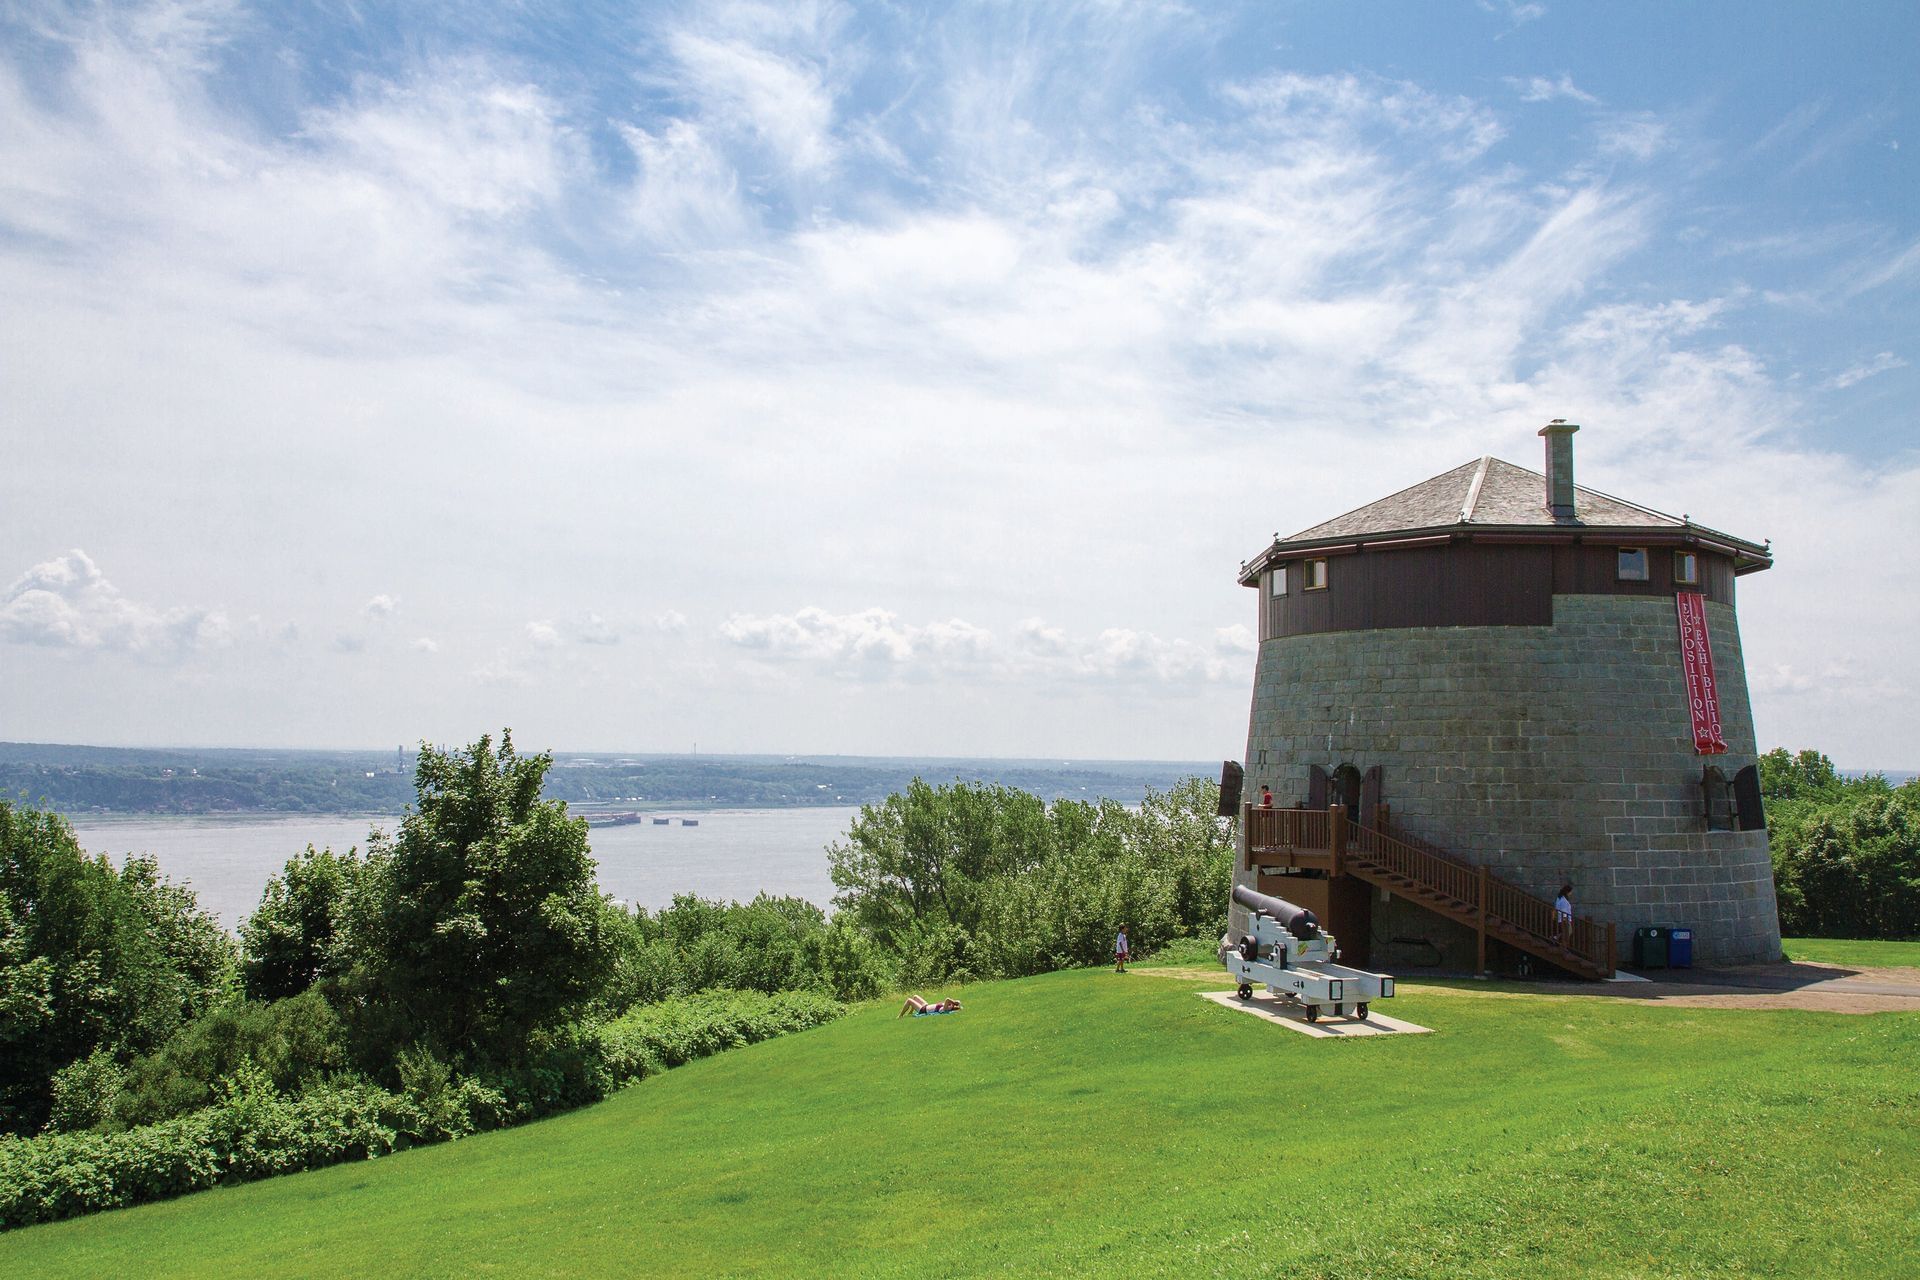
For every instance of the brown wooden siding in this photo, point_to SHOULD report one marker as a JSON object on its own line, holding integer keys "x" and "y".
{"x": 1467, "y": 584}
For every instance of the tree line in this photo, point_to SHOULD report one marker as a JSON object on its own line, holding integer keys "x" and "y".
{"x": 465, "y": 971}
{"x": 1846, "y": 851}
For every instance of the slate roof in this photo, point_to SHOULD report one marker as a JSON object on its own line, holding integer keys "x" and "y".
{"x": 1489, "y": 494}
{"x": 1486, "y": 492}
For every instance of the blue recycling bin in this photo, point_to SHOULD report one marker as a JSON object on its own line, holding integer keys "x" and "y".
{"x": 1680, "y": 948}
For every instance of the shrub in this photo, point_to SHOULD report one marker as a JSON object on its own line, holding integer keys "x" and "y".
{"x": 251, "y": 1133}
{"x": 84, "y": 1092}
{"x": 291, "y": 1043}
{"x": 254, "y": 1131}
{"x": 664, "y": 1035}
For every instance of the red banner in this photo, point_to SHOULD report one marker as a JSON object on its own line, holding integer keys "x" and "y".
{"x": 1696, "y": 659}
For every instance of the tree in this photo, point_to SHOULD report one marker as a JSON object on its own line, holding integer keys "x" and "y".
{"x": 290, "y": 942}
{"x": 90, "y": 959}
{"x": 966, "y": 880}
{"x": 481, "y": 923}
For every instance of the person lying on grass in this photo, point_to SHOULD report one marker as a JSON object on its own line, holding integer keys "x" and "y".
{"x": 920, "y": 1008}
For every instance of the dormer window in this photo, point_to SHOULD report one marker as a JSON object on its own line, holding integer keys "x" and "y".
{"x": 1316, "y": 575}
{"x": 1632, "y": 564}
{"x": 1686, "y": 569}
{"x": 1278, "y": 581}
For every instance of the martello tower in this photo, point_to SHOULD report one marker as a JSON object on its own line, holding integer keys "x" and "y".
{"x": 1502, "y": 682}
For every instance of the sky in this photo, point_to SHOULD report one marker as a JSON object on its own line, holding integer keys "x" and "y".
{"x": 901, "y": 378}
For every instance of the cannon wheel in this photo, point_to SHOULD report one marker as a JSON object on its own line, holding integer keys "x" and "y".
{"x": 1360, "y": 1011}
{"x": 1313, "y": 1013}
{"x": 1245, "y": 992}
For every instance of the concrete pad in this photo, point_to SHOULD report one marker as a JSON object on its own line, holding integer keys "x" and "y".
{"x": 1271, "y": 1008}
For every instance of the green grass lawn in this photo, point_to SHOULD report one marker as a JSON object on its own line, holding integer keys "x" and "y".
{"x": 1087, "y": 1123}
{"x": 1846, "y": 951}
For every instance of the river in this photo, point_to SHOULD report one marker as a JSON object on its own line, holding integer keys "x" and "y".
{"x": 732, "y": 853}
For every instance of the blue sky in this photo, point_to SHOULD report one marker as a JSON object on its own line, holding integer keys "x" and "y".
{"x": 902, "y": 378}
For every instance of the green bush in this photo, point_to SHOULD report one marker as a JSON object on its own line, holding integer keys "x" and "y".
{"x": 967, "y": 881}
{"x": 655, "y": 1038}
{"x": 291, "y": 1042}
{"x": 90, "y": 958}
{"x": 84, "y": 1092}
{"x": 292, "y": 941}
{"x": 1846, "y": 851}
{"x": 769, "y": 944}
{"x": 253, "y": 1131}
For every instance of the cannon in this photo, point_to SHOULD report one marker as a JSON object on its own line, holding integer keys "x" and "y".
{"x": 1287, "y": 951}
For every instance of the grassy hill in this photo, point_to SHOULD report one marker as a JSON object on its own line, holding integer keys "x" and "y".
{"x": 1086, "y": 1123}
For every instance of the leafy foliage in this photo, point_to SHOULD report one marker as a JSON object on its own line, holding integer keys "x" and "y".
{"x": 770, "y": 944}
{"x": 90, "y": 959}
{"x": 254, "y": 1129}
{"x": 291, "y": 1043}
{"x": 972, "y": 881}
{"x": 1846, "y": 851}
{"x": 291, "y": 941}
{"x": 481, "y": 923}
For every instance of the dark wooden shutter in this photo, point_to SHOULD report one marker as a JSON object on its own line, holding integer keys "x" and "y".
{"x": 1746, "y": 799}
{"x": 1370, "y": 797}
{"x": 1232, "y": 776}
{"x": 1316, "y": 787}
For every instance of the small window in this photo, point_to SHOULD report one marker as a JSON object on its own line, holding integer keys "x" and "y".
{"x": 1686, "y": 569}
{"x": 1633, "y": 564}
{"x": 1316, "y": 575}
{"x": 1279, "y": 580}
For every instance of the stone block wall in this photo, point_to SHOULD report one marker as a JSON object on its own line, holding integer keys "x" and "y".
{"x": 1553, "y": 754}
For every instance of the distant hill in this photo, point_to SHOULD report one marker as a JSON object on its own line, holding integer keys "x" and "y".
{"x": 78, "y": 779}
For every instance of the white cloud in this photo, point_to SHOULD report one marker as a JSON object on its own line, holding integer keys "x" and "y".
{"x": 872, "y": 636}
{"x": 543, "y": 635}
{"x": 425, "y": 644}
{"x": 672, "y": 622}
{"x": 876, "y": 639}
{"x": 1633, "y": 137}
{"x": 1544, "y": 89}
{"x": 380, "y": 608}
{"x": 1885, "y": 362}
{"x": 1234, "y": 640}
{"x": 593, "y": 629}
{"x": 68, "y": 603}
{"x": 778, "y": 100}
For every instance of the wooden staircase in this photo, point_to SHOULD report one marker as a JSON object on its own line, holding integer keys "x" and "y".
{"x": 1430, "y": 877}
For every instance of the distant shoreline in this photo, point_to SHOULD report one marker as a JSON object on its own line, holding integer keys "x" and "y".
{"x": 109, "y": 782}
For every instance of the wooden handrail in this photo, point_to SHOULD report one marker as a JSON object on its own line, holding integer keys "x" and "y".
{"x": 1495, "y": 904}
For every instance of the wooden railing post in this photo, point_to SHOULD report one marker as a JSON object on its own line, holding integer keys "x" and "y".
{"x": 1608, "y": 961}
{"x": 1337, "y": 837}
{"x": 1483, "y": 917}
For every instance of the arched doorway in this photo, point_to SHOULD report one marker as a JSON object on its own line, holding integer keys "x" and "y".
{"x": 1344, "y": 788}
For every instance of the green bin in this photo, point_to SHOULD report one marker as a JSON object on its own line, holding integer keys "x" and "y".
{"x": 1650, "y": 947}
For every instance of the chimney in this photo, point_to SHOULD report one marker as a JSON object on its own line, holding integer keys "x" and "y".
{"x": 1559, "y": 434}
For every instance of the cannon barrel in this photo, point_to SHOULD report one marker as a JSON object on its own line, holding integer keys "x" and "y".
{"x": 1296, "y": 920}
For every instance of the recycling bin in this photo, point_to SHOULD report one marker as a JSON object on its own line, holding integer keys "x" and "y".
{"x": 1679, "y": 948}
{"x": 1650, "y": 947}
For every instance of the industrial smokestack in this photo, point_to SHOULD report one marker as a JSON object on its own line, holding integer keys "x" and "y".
{"x": 1559, "y": 434}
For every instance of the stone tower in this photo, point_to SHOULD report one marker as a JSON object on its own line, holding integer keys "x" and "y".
{"x": 1527, "y": 675}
